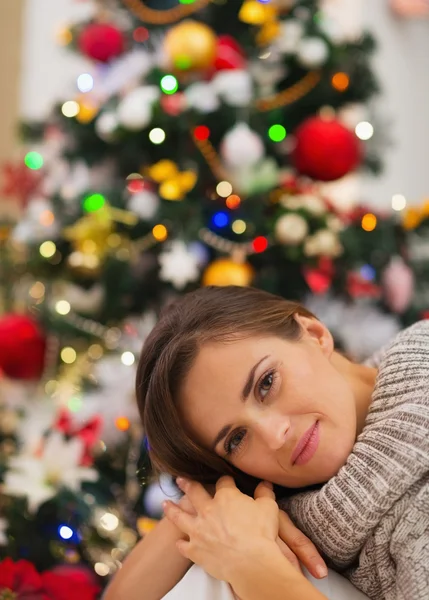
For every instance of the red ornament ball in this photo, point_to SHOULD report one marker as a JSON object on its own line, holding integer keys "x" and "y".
{"x": 101, "y": 41}
{"x": 325, "y": 150}
{"x": 22, "y": 347}
{"x": 229, "y": 54}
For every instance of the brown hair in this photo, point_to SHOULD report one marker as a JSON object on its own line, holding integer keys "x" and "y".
{"x": 209, "y": 314}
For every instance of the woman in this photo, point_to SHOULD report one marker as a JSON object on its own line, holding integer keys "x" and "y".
{"x": 234, "y": 381}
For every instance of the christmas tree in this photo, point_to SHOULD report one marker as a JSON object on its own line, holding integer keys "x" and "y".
{"x": 200, "y": 148}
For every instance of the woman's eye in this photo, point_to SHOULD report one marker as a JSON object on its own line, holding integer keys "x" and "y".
{"x": 234, "y": 442}
{"x": 266, "y": 384}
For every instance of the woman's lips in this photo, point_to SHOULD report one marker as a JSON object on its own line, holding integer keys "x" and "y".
{"x": 307, "y": 446}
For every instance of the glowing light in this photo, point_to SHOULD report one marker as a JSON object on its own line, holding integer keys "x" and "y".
{"x": 186, "y": 1}
{"x": 70, "y": 108}
{"x": 367, "y": 272}
{"x": 224, "y": 189}
{"x": 62, "y": 307}
{"x": 46, "y": 218}
{"x": 109, "y": 522}
{"x": 260, "y": 244}
{"x": 85, "y": 82}
{"x": 141, "y": 34}
{"x": 160, "y": 233}
{"x": 37, "y": 290}
{"x": 64, "y": 36}
{"x": 94, "y": 202}
{"x": 95, "y": 351}
{"x": 51, "y": 387}
{"x": 201, "y": 133}
{"x": 277, "y": 133}
{"x": 364, "y": 130}
{"x": 101, "y": 569}
{"x": 239, "y": 226}
{"x": 399, "y": 202}
{"x": 369, "y": 222}
{"x": 47, "y": 249}
{"x": 68, "y": 355}
{"x": 169, "y": 84}
{"x": 340, "y": 82}
{"x": 220, "y": 219}
{"x": 128, "y": 359}
{"x": 75, "y": 404}
{"x": 233, "y": 201}
{"x": 34, "y": 160}
{"x": 65, "y": 532}
{"x": 157, "y": 135}
{"x": 122, "y": 423}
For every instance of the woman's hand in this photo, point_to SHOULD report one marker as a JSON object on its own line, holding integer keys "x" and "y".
{"x": 226, "y": 528}
{"x": 294, "y": 545}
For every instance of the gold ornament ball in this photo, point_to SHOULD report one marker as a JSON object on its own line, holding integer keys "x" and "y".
{"x": 190, "y": 46}
{"x": 224, "y": 271}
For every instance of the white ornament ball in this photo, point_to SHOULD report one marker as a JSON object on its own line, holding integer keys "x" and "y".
{"x": 157, "y": 493}
{"x": 144, "y": 204}
{"x": 202, "y": 96}
{"x": 135, "y": 110}
{"x": 291, "y": 33}
{"x": 242, "y": 147}
{"x": 323, "y": 243}
{"x": 106, "y": 126}
{"x": 312, "y": 52}
{"x": 291, "y": 229}
{"x": 235, "y": 87}
{"x": 313, "y": 204}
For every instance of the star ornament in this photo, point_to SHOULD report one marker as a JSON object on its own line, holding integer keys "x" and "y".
{"x": 178, "y": 265}
{"x": 20, "y": 182}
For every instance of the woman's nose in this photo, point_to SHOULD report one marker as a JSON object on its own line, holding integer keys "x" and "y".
{"x": 273, "y": 428}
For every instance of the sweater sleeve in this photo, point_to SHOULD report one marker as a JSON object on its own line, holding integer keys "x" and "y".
{"x": 389, "y": 456}
{"x": 410, "y": 551}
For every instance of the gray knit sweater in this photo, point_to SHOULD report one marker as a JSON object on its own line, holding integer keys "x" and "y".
{"x": 371, "y": 521}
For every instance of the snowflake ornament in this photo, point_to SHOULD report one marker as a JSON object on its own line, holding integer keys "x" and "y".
{"x": 40, "y": 477}
{"x": 178, "y": 265}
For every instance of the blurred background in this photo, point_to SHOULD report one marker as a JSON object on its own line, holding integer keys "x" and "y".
{"x": 151, "y": 147}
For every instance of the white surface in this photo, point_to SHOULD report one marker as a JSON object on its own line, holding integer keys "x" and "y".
{"x": 402, "y": 63}
{"x": 199, "y": 586}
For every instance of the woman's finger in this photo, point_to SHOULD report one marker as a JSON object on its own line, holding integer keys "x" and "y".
{"x": 195, "y": 492}
{"x": 264, "y": 490}
{"x": 301, "y": 546}
{"x": 287, "y": 553}
{"x": 183, "y": 547}
{"x": 179, "y": 517}
{"x": 225, "y": 483}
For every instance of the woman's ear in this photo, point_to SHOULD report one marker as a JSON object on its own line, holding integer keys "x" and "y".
{"x": 316, "y": 332}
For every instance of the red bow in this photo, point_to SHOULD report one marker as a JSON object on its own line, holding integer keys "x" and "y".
{"x": 89, "y": 433}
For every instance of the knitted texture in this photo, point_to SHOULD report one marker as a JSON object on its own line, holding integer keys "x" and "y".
{"x": 371, "y": 521}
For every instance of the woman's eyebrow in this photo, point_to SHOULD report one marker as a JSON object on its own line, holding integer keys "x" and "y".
{"x": 249, "y": 383}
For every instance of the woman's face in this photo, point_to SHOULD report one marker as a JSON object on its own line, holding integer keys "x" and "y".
{"x": 277, "y": 410}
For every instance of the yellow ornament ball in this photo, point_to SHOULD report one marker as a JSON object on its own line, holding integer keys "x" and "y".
{"x": 224, "y": 271}
{"x": 190, "y": 46}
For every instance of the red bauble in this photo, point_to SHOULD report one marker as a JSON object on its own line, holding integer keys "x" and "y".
{"x": 325, "y": 150}
{"x": 229, "y": 54}
{"x": 101, "y": 41}
{"x": 22, "y": 347}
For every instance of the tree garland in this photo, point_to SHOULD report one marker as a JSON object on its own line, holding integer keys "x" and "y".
{"x": 163, "y": 17}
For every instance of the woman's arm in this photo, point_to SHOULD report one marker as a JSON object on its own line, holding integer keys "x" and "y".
{"x": 267, "y": 575}
{"x": 153, "y": 568}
